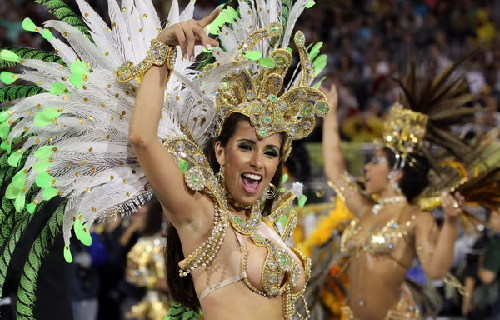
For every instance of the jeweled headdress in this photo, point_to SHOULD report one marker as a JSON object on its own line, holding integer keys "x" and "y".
{"x": 421, "y": 121}
{"x": 404, "y": 130}
{"x": 258, "y": 96}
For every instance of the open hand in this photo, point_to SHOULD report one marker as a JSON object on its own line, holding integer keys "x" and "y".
{"x": 188, "y": 34}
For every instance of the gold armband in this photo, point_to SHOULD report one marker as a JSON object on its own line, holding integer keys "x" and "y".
{"x": 158, "y": 54}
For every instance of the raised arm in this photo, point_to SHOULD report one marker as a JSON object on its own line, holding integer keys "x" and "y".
{"x": 334, "y": 163}
{"x": 435, "y": 248}
{"x": 160, "y": 167}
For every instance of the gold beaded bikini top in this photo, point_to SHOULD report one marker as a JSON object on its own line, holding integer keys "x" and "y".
{"x": 377, "y": 241}
{"x": 280, "y": 273}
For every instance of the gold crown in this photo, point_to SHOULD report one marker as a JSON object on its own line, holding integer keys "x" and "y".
{"x": 258, "y": 97}
{"x": 404, "y": 130}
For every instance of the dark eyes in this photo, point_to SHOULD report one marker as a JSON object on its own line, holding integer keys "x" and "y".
{"x": 245, "y": 146}
{"x": 270, "y": 152}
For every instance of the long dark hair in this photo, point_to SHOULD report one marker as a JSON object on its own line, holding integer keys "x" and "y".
{"x": 415, "y": 173}
{"x": 182, "y": 288}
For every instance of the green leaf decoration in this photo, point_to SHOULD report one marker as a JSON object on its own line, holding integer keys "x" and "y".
{"x": 4, "y": 115}
{"x": 267, "y": 62}
{"x": 47, "y": 35}
{"x": 58, "y": 88}
{"x": 28, "y": 25}
{"x": 310, "y": 4}
{"x": 49, "y": 193}
{"x": 15, "y": 188}
{"x": 318, "y": 83}
{"x": 284, "y": 178}
{"x": 46, "y": 116}
{"x": 20, "y": 202}
{"x": 17, "y": 92}
{"x": 319, "y": 64}
{"x": 42, "y": 165}
{"x": 31, "y": 207}
{"x": 44, "y": 180}
{"x": 4, "y": 131}
{"x": 9, "y": 56}
{"x": 15, "y": 158}
{"x": 85, "y": 236}
{"x": 6, "y": 145}
{"x": 67, "y": 255}
{"x": 302, "y": 200}
{"x": 227, "y": 15}
{"x": 77, "y": 80}
{"x": 79, "y": 67}
{"x": 62, "y": 12}
{"x": 315, "y": 50}
{"x": 8, "y": 77}
{"x": 252, "y": 55}
{"x": 44, "y": 152}
{"x": 78, "y": 226}
{"x": 31, "y": 53}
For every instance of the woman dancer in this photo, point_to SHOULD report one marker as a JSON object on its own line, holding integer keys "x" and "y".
{"x": 388, "y": 233}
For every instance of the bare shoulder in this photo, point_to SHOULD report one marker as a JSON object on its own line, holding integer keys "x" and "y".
{"x": 424, "y": 220}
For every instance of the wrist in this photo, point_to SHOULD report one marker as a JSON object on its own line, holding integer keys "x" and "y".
{"x": 453, "y": 221}
{"x": 159, "y": 54}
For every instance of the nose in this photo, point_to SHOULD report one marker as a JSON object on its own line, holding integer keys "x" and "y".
{"x": 257, "y": 160}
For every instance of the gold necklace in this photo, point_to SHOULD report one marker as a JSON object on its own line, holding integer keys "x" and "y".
{"x": 250, "y": 225}
{"x": 383, "y": 201}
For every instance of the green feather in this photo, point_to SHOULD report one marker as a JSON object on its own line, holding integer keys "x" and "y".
{"x": 31, "y": 53}
{"x": 17, "y": 92}
{"x": 62, "y": 12}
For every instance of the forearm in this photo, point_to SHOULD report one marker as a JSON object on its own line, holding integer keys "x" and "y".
{"x": 442, "y": 256}
{"x": 148, "y": 105}
{"x": 332, "y": 151}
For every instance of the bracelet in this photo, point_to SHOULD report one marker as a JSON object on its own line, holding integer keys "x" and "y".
{"x": 158, "y": 54}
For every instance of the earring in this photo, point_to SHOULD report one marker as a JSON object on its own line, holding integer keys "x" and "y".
{"x": 270, "y": 191}
{"x": 394, "y": 184}
{"x": 220, "y": 175}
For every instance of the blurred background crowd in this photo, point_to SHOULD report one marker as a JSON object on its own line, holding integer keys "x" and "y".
{"x": 367, "y": 43}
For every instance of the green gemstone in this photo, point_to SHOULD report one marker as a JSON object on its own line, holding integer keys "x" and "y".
{"x": 272, "y": 97}
{"x": 267, "y": 119}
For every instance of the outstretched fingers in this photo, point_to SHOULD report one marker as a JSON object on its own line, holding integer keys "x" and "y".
{"x": 210, "y": 18}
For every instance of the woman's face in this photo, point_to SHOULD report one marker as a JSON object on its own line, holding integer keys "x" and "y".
{"x": 376, "y": 172}
{"x": 249, "y": 164}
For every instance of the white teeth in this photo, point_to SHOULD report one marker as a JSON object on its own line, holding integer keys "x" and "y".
{"x": 252, "y": 176}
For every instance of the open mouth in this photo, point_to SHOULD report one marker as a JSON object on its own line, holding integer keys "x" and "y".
{"x": 251, "y": 182}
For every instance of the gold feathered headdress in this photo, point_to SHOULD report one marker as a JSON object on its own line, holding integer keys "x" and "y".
{"x": 260, "y": 96}
{"x": 425, "y": 112}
